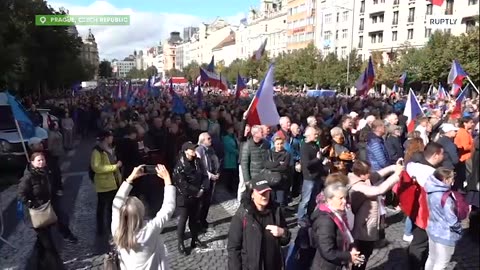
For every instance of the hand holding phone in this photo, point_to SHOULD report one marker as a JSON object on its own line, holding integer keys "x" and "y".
{"x": 149, "y": 169}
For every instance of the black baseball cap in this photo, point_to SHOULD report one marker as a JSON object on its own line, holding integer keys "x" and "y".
{"x": 189, "y": 146}
{"x": 260, "y": 184}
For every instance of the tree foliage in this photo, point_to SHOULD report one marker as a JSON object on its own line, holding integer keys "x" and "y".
{"x": 135, "y": 73}
{"x": 37, "y": 59}
{"x": 105, "y": 69}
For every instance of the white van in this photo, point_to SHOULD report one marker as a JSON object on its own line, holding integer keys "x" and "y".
{"x": 11, "y": 149}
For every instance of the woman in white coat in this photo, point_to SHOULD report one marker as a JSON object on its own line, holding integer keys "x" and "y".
{"x": 139, "y": 242}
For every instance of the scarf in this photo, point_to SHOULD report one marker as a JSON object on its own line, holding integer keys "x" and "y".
{"x": 342, "y": 224}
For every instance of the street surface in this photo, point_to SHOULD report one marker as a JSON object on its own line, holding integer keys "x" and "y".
{"x": 80, "y": 202}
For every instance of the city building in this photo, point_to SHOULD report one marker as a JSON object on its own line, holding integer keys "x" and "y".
{"x": 154, "y": 57}
{"x": 225, "y": 51}
{"x": 179, "y": 58}
{"x": 334, "y": 30}
{"x": 188, "y": 32}
{"x": 169, "y": 51}
{"x": 122, "y": 67}
{"x": 301, "y": 22}
{"x": 139, "y": 60}
{"x": 268, "y": 22}
{"x": 382, "y": 25}
{"x": 89, "y": 52}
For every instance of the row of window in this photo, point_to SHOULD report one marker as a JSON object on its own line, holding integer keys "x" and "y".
{"x": 328, "y": 34}
{"x": 378, "y": 37}
{"x": 342, "y": 53}
{"x": 448, "y": 7}
{"x": 301, "y": 23}
{"x": 328, "y": 17}
{"x": 300, "y": 37}
{"x": 302, "y": 8}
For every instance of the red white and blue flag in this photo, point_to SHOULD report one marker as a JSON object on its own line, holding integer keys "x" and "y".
{"x": 442, "y": 94}
{"x": 211, "y": 66}
{"x": 260, "y": 52}
{"x": 213, "y": 79}
{"x": 412, "y": 110}
{"x": 455, "y": 89}
{"x": 457, "y": 110}
{"x": 402, "y": 79}
{"x": 456, "y": 74}
{"x": 240, "y": 86}
{"x": 262, "y": 109}
{"x": 366, "y": 79}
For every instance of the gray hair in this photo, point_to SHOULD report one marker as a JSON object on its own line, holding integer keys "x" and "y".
{"x": 202, "y": 137}
{"x": 336, "y": 131}
{"x": 310, "y": 119}
{"x": 283, "y": 119}
{"x": 330, "y": 190}
{"x": 255, "y": 129}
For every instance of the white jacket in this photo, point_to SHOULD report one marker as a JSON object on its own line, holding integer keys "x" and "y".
{"x": 151, "y": 251}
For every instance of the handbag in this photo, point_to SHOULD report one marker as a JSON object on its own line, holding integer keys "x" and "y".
{"x": 42, "y": 216}
{"x": 274, "y": 178}
{"x": 111, "y": 261}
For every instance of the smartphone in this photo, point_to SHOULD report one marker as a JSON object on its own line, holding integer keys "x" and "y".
{"x": 149, "y": 169}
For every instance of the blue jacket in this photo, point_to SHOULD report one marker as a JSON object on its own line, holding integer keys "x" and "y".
{"x": 443, "y": 225}
{"x": 376, "y": 152}
{"x": 296, "y": 143}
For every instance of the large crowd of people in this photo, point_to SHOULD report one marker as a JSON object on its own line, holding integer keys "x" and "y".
{"x": 346, "y": 161}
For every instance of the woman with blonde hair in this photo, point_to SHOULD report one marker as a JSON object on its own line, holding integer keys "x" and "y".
{"x": 139, "y": 242}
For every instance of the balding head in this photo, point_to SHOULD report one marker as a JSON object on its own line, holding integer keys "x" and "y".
{"x": 370, "y": 119}
{"x": 295, "y": 129}
{"x": 310, "y": 134}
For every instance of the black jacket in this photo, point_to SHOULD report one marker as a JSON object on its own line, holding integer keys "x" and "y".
{"x": 127, "y": 151}
{"x": 450, "y": 157}
{"x": 328, "y": 240}
{"x": 394, "y": 148}
{"x": 188, "y": 177}
{"x": 253, "y": 157}
{"x": 312, "y": 167}
{"x": 37, "y": 187}
{"x": 279, "y": 162}
{"x": 250, "y": 246}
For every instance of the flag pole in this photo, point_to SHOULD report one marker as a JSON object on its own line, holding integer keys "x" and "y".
{"x": 474, "y": 87}
{"x": 23, "y": 142}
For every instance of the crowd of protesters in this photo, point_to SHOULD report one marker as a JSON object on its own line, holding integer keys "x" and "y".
{"x": 345, "y": 161}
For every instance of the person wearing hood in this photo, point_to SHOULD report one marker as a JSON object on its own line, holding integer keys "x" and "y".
{"x": 257, "y": 231}
{"x": 37, "y": 188}
{"x": 189, "y": 178}
{"x": 444, "y": 229}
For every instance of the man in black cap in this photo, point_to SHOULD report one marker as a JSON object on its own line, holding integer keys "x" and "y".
{"x": 189, "y": 177}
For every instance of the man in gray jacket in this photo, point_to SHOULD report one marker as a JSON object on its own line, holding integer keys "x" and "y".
{"x": 211, "y": 165}
{"x": 254, "y": 151}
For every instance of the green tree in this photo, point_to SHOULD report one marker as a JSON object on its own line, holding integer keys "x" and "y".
{"x": 105, "y": 69}
{"x": 191, "y": 71}
{"x": 150, "y": 71}
{"x": 174, "y": 73}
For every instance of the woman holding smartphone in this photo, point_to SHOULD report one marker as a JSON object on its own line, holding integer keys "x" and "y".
{"x": 139, "y": 242}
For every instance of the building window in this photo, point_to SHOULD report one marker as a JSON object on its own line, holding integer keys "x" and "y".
{"x": 327, "y": 35}
{"x": 394, "y": 35}
{"x": 449, "y": 7}
{"x": 328, "y": 18}
{"x": 472, "y": 2}
{"x": 373, "y": 38}
{"x": 381, "y": 18}
{"x": 344, "y": 33}
{"x": 266, "y": 28}
{"x": 375, "y": 2}
{"x": 428, "y": 32}
{"x": 395, "y": 18}
{"x": 344, "y": 51}
{"x": 410, "y": 34}
{"x": 470, "y": 25}
{"x": 345, "y": 16}
{"x": 380, "y": 37}
{"x": 360, "y": 42}
{"x": 362, "y": 22}
{"x": 396, "y": 2}
{"x": 411, "y": 15}
{"x": 429, "y": 9}
{"x": 336, "y": 35}
{"x": 336, "y": 50}
{"x": 382, "y": 1}
{"x": 362, "y": 6}
{"x": 338, "y": 16}
{"x": 374, "y": 19}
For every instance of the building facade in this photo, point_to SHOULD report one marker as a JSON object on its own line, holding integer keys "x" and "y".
{"x": 384, "y": 25}
{"x": 154, "y": 57}
{"x": 122, "y": 67}
{"x": 268, "y": 22}
{"x": 301, "y": 23}
{"x": 225, "y": 51}
{"x": 334, "y": 31}
{"x": 89, "y": 53}
{"x": 169, "y": 51}
{"x": 189, "y": 32}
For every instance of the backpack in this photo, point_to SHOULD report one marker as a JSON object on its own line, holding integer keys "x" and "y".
{"x": 462, "y": 208}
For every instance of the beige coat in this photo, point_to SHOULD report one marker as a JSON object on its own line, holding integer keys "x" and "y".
{"x": 364, "y": 200}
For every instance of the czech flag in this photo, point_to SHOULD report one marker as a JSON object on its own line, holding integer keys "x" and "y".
{"x": 262, "y": 109}
{"x": 395, "y": 88}
{"x": 213, "y": 79}
{"x": 442, "y": 94}
{"x": 412, "y": 110}
{"x": 240, "y": 86}
{"x": 456, "y": 74}
{"x": 456, "y": 89}
{"x": 402, "y": 79}
{"x": 457, "y": 110}
{"x": 260, "y": 52}
{"x": 366, "y": 79}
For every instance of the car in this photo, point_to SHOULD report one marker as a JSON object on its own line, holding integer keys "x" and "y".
{"x": 13, "y": 146}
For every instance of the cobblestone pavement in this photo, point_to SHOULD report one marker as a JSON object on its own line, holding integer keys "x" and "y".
{"x": 88, "y": 252}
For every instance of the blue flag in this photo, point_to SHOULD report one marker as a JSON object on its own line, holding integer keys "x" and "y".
{"x": 24, "y": 122}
